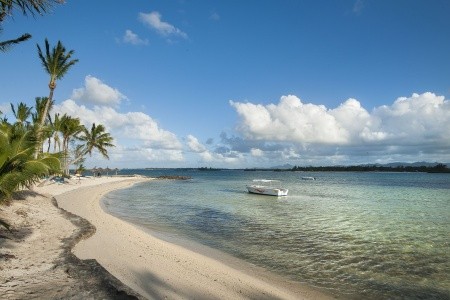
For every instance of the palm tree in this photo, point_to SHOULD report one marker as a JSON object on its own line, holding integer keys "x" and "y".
{"x": 6, "y": 45}
{"x": 70, "y": 128}
{"x": 41, "y": 102}
{"x": 18, "y": 168}
{"x": 22, "y": 113}
{"x": 26, "y": 7}
{"x": 55, "y": 125}
{"x": 56, "y": 63}
{"x": 95, "y": 139}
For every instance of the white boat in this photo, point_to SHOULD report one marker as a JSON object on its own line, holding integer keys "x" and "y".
{"x": 266, "y": 187}
{"x": 308, "y": 178}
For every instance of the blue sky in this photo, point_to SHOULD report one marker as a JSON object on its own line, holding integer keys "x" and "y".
{"x": 247, "y": 83}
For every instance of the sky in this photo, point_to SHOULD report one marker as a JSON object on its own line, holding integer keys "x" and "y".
{"x": 243, "y": 84}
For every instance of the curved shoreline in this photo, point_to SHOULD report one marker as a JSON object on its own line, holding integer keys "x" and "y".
{"x": 48, "y": 256}
{"x": 156, "y": 268}
{"x": 36, "y": 259}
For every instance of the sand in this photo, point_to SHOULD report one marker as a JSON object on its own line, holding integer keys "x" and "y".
{"x": 34, "y": 263}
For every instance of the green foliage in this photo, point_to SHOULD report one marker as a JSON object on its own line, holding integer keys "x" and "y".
{"x": 97, "y": 138}
{"x": 56, "y": 61}
{"x": 6, "y": 45}
{"x": 18, "y": 167}
{"x": 26, "y": 7}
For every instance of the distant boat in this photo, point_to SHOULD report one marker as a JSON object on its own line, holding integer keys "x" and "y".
{"x": 308, "y": 178}
{"x": 266, "y": 187}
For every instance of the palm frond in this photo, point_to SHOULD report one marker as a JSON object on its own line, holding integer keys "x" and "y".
{"x": 6, "y": 45}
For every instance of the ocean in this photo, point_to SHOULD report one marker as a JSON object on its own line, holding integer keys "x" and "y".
{"x": 355, "y": 235}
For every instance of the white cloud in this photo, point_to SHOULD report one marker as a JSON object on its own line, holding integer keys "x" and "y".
{"x": 290, "y": 120}
{"x": 132, "y": 38}
{"x": 256, "y": 152}
{"x": 97, "y": 92}
{"x": 420, "y": 118}
{"x": 153, "y": 20}
{"x": 194, "y": 145}
{"x": 137, "y": 136}
{"x": 131, "y": 125}
{"x": 411, "y": 128}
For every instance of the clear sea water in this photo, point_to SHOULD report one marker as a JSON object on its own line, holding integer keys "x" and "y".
{"x": 354, "y": 235}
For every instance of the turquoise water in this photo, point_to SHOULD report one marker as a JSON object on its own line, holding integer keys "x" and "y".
{"x": 354, "y": 235}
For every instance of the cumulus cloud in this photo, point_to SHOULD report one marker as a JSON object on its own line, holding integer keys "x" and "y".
{"x": 154, "y": 21}
{"x": 290, "y": 120}
{"x": 419, "y": 118}
{"x": 194, "y": 145}
{"x": 256, "y": 152}
{"x": 130, "y": 125}
{"x": 97, "y": 92}
{"x": 138, "y": 138}
{"x": 415, "y": 126}
{"x": 132, "y": 38}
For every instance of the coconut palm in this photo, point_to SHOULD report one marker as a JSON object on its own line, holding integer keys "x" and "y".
{"x": 70, "y": 128}
{"x": 95, "y": 139}
{"x": 22, "y": 113}
{"x": 41, "y": 102}
{"x": 31, "y": 7}
{"x": 46, "y": 130}
{"x": 55, "y": 125}
{"x": 56, "y": 62}
{"x": 6, "y": 45}
{"x": 26, "y": 7}
{"x": 18, "y": 168}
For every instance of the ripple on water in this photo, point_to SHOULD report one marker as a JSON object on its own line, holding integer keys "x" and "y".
{"x": 358, "y": 235}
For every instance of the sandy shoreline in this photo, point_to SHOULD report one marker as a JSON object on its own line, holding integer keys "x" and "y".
{"x": 154, "y": 268}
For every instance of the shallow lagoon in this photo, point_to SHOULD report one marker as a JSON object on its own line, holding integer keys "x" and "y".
{"x": 372, "y": 235}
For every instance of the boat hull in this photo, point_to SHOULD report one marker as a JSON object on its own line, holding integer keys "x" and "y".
{"x": 269, "y": 191}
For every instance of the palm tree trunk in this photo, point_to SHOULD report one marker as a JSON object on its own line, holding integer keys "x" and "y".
{"x": 41, "y": 122}
{"x": 52, "y": 87}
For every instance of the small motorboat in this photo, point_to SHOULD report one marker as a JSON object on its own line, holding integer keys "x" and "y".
{"x": 266, "y": 187}
{"x": 308, "y": 178}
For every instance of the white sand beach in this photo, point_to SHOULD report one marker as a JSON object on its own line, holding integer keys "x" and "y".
{"x": 154, "y": 268}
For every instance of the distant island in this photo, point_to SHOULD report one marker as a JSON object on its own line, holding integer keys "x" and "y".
{"x": 424, "y": 167}
{"x": 438, "y": 168}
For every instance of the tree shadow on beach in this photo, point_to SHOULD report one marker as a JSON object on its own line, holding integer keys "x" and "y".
{"x": 23, "y": 195}
{"x": 10, "y": 239}
{"x": 16, "y": 232}
{"x": 157, "y": 288}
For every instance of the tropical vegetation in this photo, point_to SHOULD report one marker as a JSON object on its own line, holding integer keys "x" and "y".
{"x": 37, "y": 144}
{"x": 18, "y": 167}
{"x": 26, "y": 7}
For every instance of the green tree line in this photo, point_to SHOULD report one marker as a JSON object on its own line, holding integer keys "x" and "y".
{"x": 439, "y": 168}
